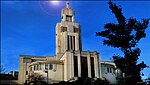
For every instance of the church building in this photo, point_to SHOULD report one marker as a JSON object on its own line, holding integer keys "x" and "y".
{"x": 70, "y": 61}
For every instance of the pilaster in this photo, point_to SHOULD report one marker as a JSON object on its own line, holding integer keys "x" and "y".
{"x": 65, "y": 67}
{"x": 96, "y": 65}
{"x": 79, "y": 63}
{"x": 65, "y": 41}
{"x": 77, "y": 42}
{"x": 89, "y": 64}
{"x": 72, "y": 65}
{"x": 99, "y": 67}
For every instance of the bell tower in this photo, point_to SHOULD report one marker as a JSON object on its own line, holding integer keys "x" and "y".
{"x": 67, "y": 14}
{"x": 68, "y": 33}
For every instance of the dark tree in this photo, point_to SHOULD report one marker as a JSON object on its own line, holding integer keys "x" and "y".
{"x": 36, "y": 79}
{"x": 125, "y": 36}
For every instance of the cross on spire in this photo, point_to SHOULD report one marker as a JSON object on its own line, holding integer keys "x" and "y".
{"x": 67, "y": 4}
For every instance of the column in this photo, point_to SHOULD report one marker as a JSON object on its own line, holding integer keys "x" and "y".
{"x": 62, "y": 66}
{"x": 89, "y": 64}
{"x": 72, "y": 65}
{"x": 66, "y": 41}
{"x": 100, "y": 68}
{"x": 96, "y": 65}
{"x": 76, "y": 42}
{"x": 65, "y": 67}
{"x": 79, "y": 64}
{"x": 69, "y": 42}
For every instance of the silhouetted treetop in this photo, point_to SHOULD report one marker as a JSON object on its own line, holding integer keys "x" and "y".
{"x": 125, "y": 34}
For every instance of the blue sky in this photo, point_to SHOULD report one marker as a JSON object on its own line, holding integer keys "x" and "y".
{"x": 28, "y": 28}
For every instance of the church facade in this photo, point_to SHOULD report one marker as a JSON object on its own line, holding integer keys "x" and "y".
{"x": 70, "y": 61}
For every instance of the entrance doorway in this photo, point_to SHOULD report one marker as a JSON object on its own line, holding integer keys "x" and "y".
{"x": 84, "y": 68}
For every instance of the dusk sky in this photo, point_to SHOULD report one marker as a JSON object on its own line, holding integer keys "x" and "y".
{"x": 28, "y": 28}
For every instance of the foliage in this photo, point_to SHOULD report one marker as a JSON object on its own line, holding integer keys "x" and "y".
{"x": 101, "y": 82}
{"x": 84, "y": 81}
{"x": 125, "y": 35}
{"x": 36, "y": 79}
{"x": 148, "y": 80}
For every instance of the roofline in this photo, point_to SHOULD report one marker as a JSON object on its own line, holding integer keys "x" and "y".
{"x": 32, "y": 56}
{"x": 108, "y": 63}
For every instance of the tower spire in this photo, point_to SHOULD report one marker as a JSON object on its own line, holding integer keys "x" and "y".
{"x": 67, "y": 4}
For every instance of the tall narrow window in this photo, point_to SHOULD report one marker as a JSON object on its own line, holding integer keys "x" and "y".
{"x": 31, "y": 68}
{"x": 84, "y": 67}
{"x": 110, "y": 70}
{"x": 113, "y": 70}
{"x": 37, "y": 67}
{"x": 68, "y": 42}
{"x": 92, "y": 67}
{"x": 75, "y": 66}
{"x": 40, "y": 67}
{"x": 46, "y": 66}
{"x": 74, "y": 42}
{"x": 71, "y": 41}
{"x": 26, "y": 72}
{"x": 34, "y": 67}
{"x": 50, "y": 66}
{"x": 107, "y": 69}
